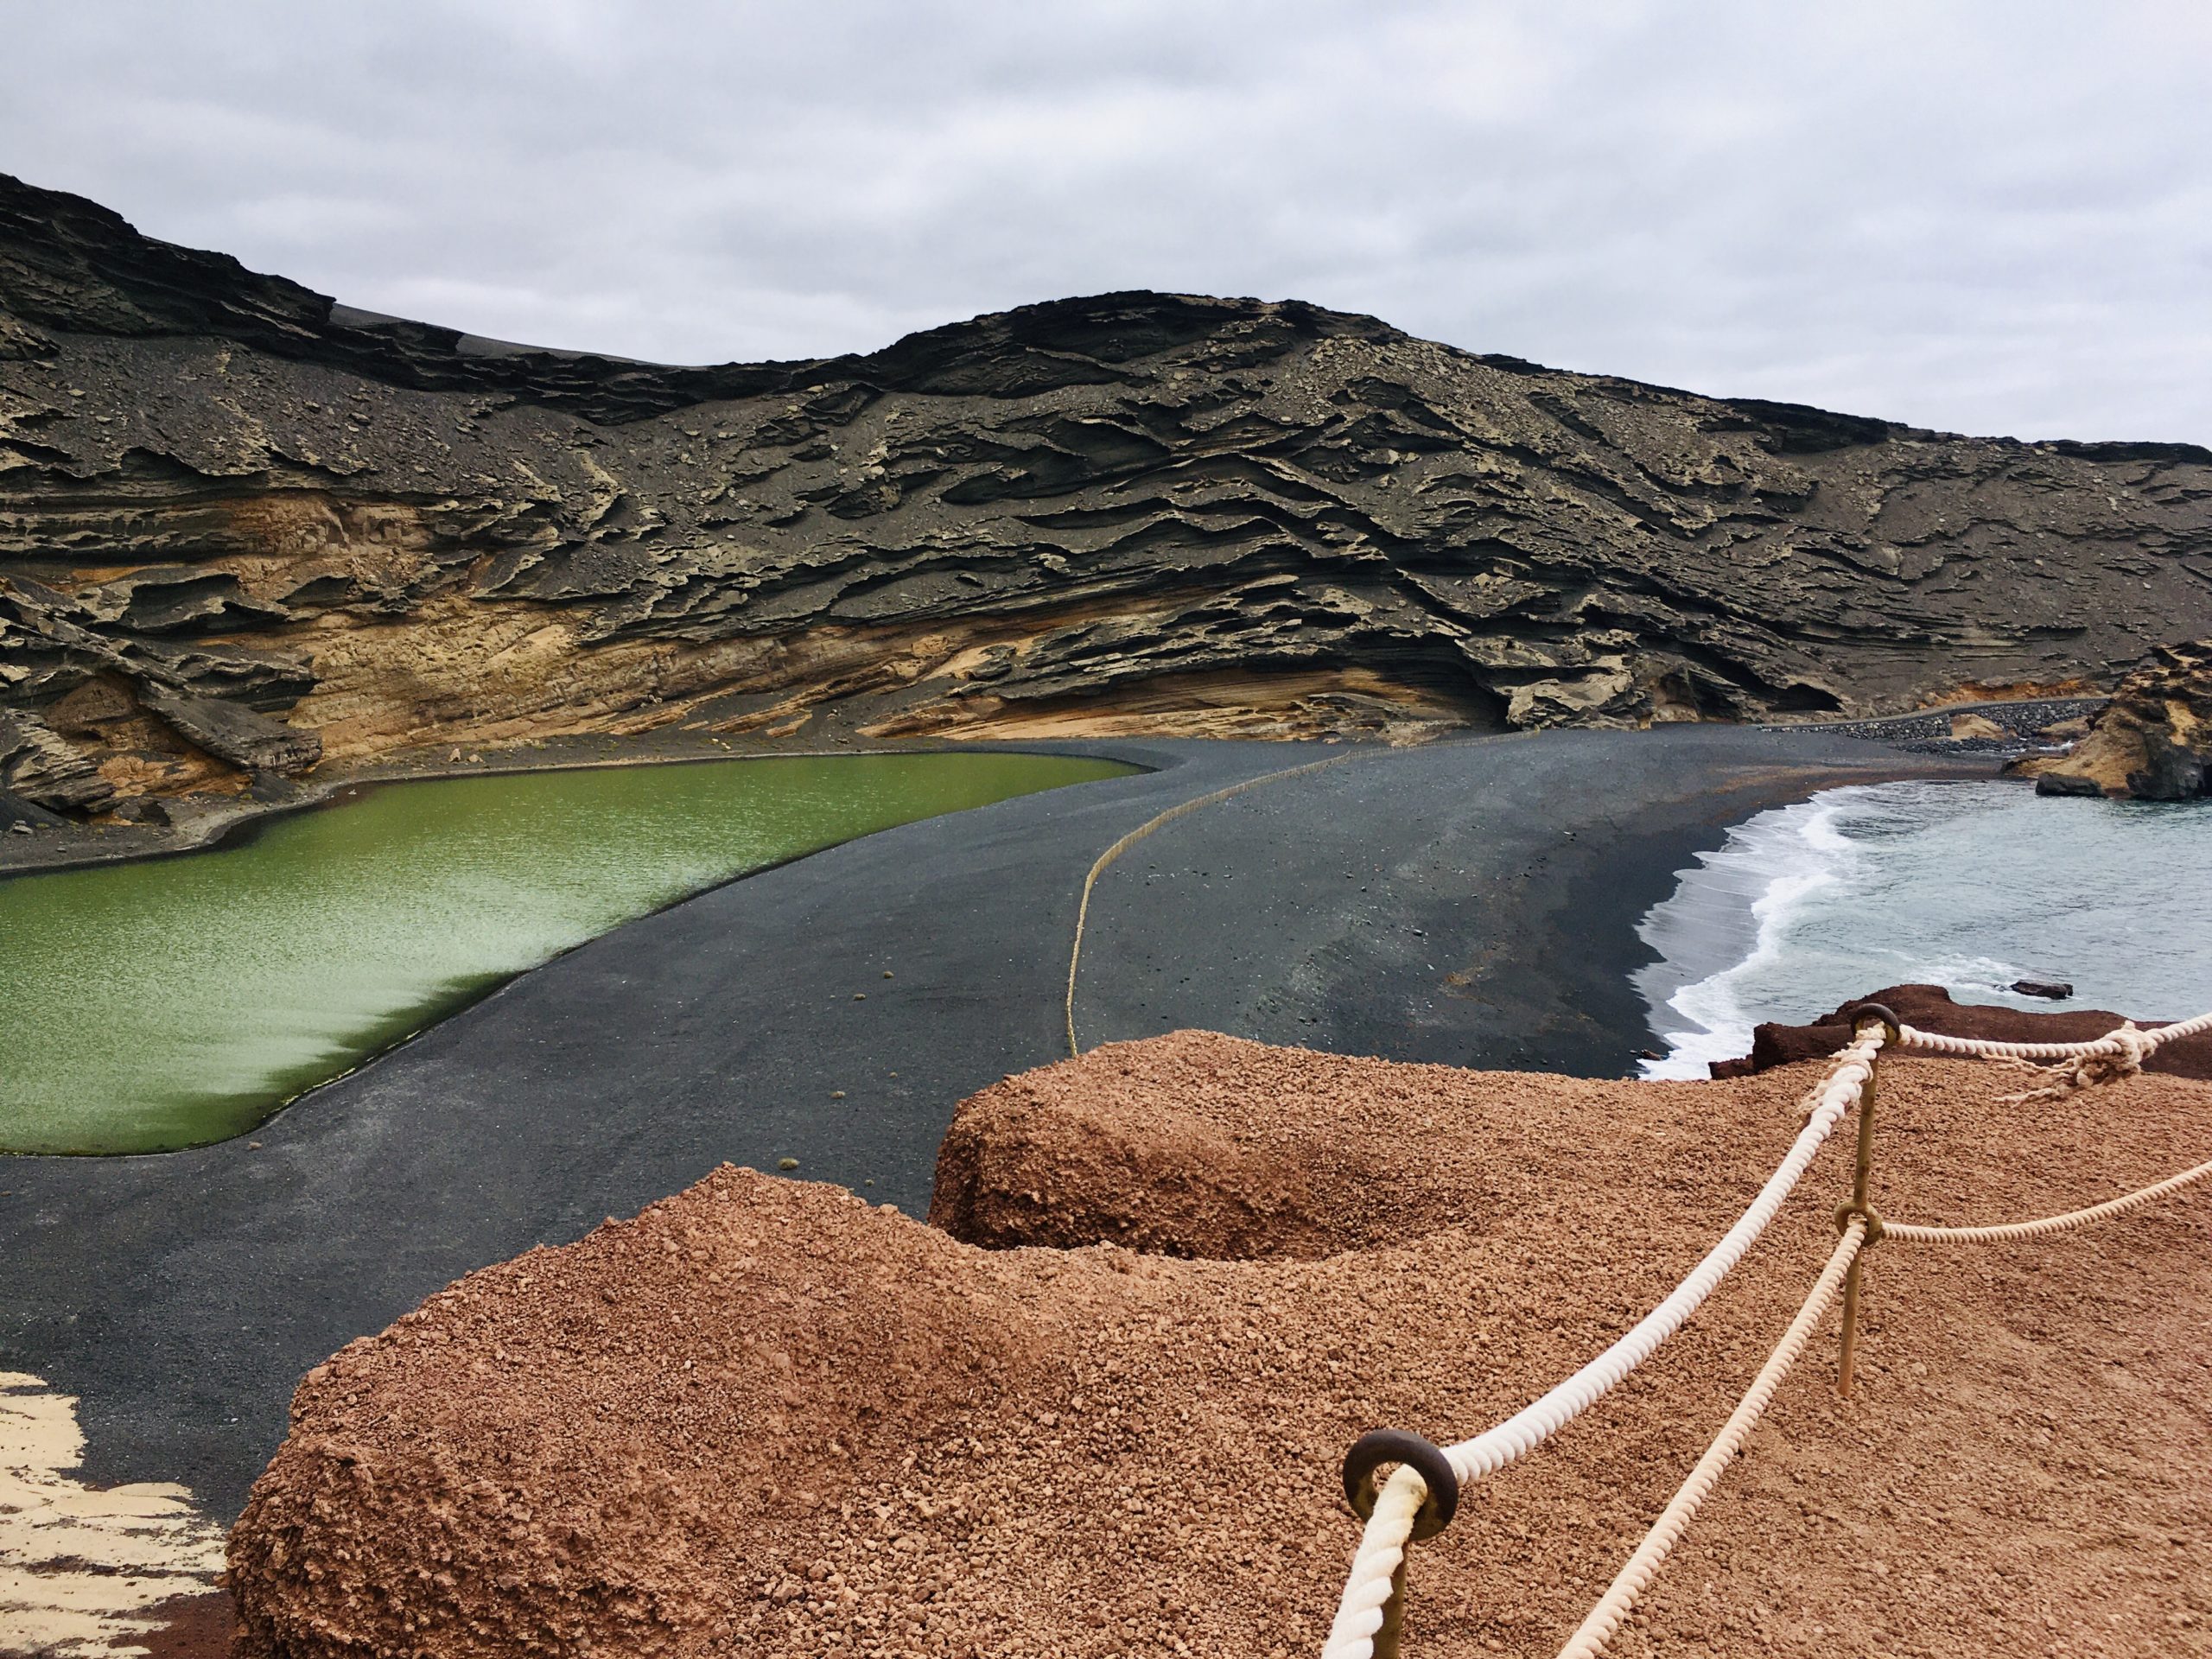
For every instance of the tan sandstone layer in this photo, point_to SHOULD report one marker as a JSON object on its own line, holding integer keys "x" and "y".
{"x": 2153, "y": 741}
{"x": 764, "y": 1418}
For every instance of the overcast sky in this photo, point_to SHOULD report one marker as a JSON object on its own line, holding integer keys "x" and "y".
{"x": 1987, "y": 217}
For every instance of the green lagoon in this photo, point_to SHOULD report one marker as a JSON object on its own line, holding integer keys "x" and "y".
{"x": 174, "y": 1002}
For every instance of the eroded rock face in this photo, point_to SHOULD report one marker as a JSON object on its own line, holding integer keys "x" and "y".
{"x": 2152, "y": 742}
{"x": 1133, "y": 512}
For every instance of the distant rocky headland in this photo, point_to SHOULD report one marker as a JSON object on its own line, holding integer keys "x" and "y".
{"x": 2153, "y": 740}
{"x": 246, "y": 531}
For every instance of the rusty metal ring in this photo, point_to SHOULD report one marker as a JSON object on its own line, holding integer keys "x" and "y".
{"x": 1381, "y": 1445}
{"x": 1859, "y": 1012}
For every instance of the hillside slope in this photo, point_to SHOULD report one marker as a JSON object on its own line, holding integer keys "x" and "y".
{"x": 243, "y": 530}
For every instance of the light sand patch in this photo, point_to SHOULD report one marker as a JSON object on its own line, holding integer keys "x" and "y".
{"x": 79, "y": 1566}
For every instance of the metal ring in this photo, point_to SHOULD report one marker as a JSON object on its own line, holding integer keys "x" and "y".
{"x": 1868, "y": 1214}
{"x": 1858, "y": 1013}
{"x": 1381, "y": 1445}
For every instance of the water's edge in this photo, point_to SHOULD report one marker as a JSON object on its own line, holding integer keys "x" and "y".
{"x": 111, "y": 965}
{"x": 1966, "y": 885}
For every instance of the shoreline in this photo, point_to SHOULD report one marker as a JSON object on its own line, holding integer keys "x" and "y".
{"x": 212, "y": 829}
{"x": 217, "y": 822}
{"x": 443, "y": 997}
{"x": 180, "y": 1296}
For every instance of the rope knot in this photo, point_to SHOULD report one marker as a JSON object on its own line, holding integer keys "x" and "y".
{"x": 2090, "y": 1070}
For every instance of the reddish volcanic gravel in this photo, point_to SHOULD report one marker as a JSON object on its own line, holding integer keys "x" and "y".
{"x": 765, "y": 1419}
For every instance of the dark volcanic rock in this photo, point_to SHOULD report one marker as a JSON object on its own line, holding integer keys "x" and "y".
{"x": 1134, "y": 512}
{"x": 38, "y": 765}
{"x": 232, "y": 732}
{"x": 1931, "y": 1007}
{"x": 2153, "y": 741}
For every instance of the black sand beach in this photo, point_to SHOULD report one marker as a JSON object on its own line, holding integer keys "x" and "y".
{"x": 1472, "y": 902}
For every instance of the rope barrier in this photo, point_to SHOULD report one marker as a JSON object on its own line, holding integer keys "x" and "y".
{"x": 1529, "y": 1428}
{"x": 1360, "y": 1612}
{"x": 1369, "y": 1612}
{"x": 2066, "y": 1223}
{"x": 1595, "y": 1632}
{"x": 1160, "y": 821}
{"x": 1373, "y": 1601}
{"x": 2123, "y": 1040}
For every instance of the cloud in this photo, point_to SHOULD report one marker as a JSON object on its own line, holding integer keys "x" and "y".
{"x": 1985, "y": 217}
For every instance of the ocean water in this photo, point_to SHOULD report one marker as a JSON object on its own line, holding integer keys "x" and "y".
{"x": 1969, "y": 885}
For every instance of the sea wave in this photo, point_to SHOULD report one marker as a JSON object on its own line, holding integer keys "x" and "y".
{"x": 1967, "y": 885}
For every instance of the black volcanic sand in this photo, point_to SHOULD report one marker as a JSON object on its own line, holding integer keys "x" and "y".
{"x": 1472, "y": 902}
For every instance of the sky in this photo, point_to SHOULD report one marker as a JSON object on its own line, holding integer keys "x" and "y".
{"x": 1984, "y": 218}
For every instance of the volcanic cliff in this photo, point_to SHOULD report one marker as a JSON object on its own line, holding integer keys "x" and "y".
{"x": 244, "y": 530}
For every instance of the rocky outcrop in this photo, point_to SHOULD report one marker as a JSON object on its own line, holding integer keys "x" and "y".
{"x": 1930, "y": 1009}
{"x": 2152, "y": 742}
{"x": 38, "y": 766}
{"x": 1132, "y": 512}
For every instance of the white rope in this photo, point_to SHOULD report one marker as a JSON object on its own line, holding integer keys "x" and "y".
{"x": 1369, "y": 1587}
{"x": 2114, "y": 1042}
{"x": 1530, "y": 1427}
{"x": 1595, "y": 1632}
{"x": 1361, "y": 1613}
{"x": 2071, "y": 1219}
{"x": 1351, "y": 1636}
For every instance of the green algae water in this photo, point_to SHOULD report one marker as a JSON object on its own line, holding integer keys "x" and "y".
{"x": 177, "y": 1001}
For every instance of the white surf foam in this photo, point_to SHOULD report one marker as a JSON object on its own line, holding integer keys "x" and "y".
{"x": 1771, "y": 866}
{"x": 1968, "y": 886}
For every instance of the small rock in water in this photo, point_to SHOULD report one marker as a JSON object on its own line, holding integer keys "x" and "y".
{"x": 2060, "y": 783}
{"x": 2056, "y": 989}
{"x": 786, "y": 1163}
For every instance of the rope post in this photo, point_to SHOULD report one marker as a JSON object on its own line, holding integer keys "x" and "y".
{"x": 1394, "y": 1615}
{"x": 1862, "y": 1172}
{"x": 1439, "y": 1489}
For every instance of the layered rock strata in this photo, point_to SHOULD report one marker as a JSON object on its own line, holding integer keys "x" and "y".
{"x": 2152, "y": 742}
{"x": 766, "y": 1419}
{"x": 243, "y": 527}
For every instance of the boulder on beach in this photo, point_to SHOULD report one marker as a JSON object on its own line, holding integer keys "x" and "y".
{"x": 764, "y": 1418}
{"x": 2152, "y": 742}
{"x": 1931, "y": 1009}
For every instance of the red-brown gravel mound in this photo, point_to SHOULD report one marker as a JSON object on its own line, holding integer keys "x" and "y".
{"x": 765, "y": 1419}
